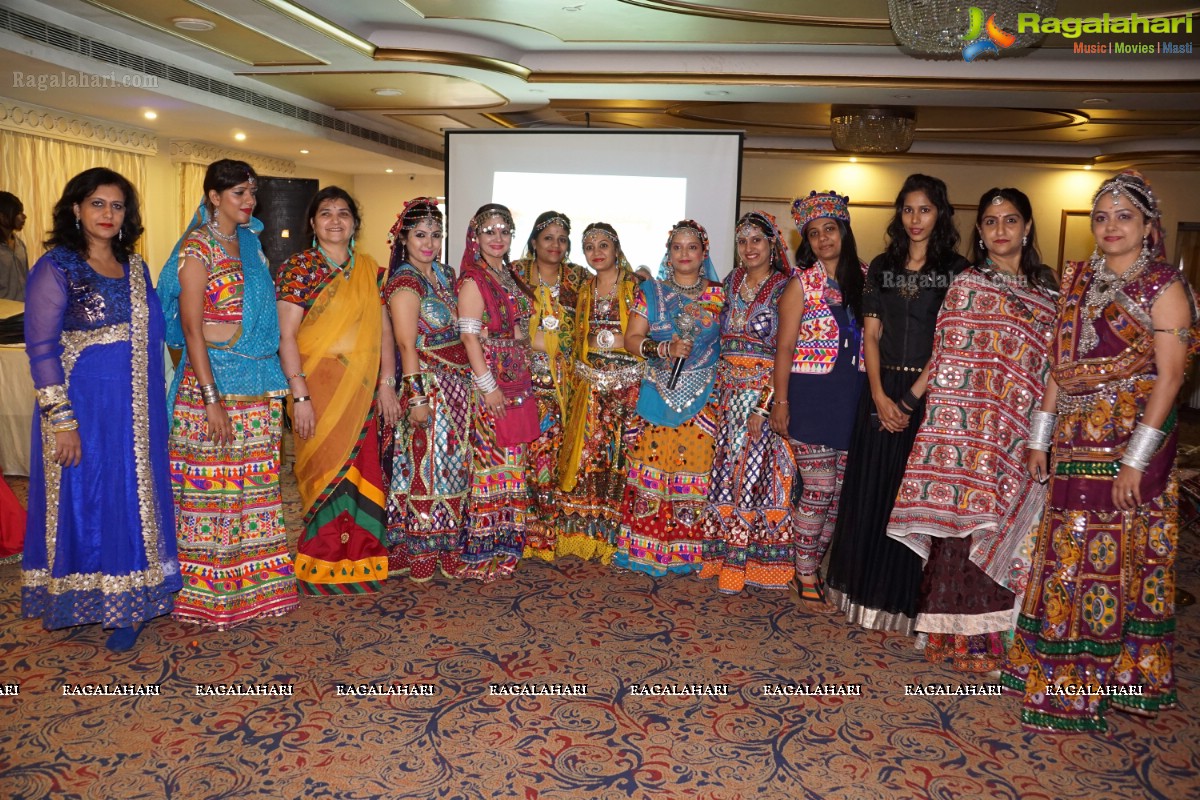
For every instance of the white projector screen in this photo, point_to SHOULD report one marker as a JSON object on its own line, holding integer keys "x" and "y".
{"x": 642, "y": 182}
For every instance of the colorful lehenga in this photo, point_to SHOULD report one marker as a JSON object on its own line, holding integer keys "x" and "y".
{"x": 554, "y": 315}
{"x": 666, "y": 488}
{"x": 233, "y": 551}
{"x": 604, "y": 390}
{"x": 747, "y": 525}
{"x": 431, "y": 467}
{"x": 1097, "y": 626}
{"x": 967, "y": 504}
{"x": 498, "y": 511}
{"x": 100, "y": 536}
{"x": 337, "y": 469}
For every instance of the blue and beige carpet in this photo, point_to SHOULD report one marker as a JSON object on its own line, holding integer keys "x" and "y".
{"x": 560, "y": 624}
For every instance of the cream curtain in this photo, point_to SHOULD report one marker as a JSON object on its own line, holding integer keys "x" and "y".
{"x": 36, "y": 169}
{"x": 190, "y": 180}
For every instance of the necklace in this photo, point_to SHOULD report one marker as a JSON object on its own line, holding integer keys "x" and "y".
{"x": 1102, "y": 293}
{"x": 748, "y": 292}
{"x": 345, "y": 268}
{"x": 604, "y": 305}
{"x": 227, "y": 237}
{"x": 550, "y": 320}
{"x": 692, "y": 291}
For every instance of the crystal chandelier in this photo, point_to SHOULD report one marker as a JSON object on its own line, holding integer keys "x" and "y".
{"x": 946, "y": 27}
{"x": 872, "y": 129}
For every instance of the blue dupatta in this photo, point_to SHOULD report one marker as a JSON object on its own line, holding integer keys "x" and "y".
{"x": 249, "y": 367}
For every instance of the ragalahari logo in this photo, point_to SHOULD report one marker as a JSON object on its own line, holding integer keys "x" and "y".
{"x": 981, "y": 39}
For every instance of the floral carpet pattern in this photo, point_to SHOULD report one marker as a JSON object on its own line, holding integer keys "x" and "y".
{"x": 625, "y": 636}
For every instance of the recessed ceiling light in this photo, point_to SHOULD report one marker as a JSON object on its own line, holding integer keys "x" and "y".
{"x": 573, "y": 9}
{"x": 304, "y": 152}
{"x": 150, "y": 115}
{"x": 388, "y": 92}
{"x": 1096, "y": 101}
{"x": 389, "y": 170}
{"x": 241, "y": 137}
{"x": 193, "y": 24}
{"x": 853, "y": 159}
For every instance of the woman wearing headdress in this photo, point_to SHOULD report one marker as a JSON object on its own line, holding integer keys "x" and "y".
{"x": 430, "y": 453}
{"x": 1096, "y": 628}
{"x": 748, "y": 527}
{"x": 873, "y": 579}
{"x": 674, "y": 324}
{"x": 100, "y": 536}
{"x": 495, "y": 309}
{"x": 555, "y": 283}
{"x": 335, "y": 347}
{"x": 592, "y": 466}
{"x": 14, "y": 259}
{"x": 227, "y": 401}
{"x": 967, "y": 505}
{"x": 819, "y": 372}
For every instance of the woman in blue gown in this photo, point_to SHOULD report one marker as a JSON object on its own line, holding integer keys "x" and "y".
{"x": 100, "y": 539}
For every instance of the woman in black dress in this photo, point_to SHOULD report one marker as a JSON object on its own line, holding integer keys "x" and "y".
{"x": 872, "y": 578}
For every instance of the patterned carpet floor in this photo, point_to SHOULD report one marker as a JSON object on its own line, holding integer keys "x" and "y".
{"x": 565, "y": 623}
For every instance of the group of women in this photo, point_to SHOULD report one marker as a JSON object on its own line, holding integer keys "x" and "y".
{"x": 898, "y": 415}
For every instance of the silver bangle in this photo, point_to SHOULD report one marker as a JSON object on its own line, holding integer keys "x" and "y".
{"x": 1143, "y": 444}
{"x": 485, "y": 383}
{"x": 1041, "y": 431}
{"x": 470, "y": 325}
{"x": 209, "y": 392}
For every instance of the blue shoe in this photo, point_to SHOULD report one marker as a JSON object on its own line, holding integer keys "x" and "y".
{"x": 123, "y": 639}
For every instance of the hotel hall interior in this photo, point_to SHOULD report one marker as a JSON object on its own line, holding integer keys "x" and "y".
{"x": 360, "y": 94}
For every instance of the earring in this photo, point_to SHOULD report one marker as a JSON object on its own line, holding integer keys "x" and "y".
{"x": 351, "y": 244}
{"x": 1145, "y": 247}
{"x": 216, "y": 215}
{"x": 1024, "y": 240}
{"x": 77, "y": 225}
{"x": 981, "y": 247}
{"x": 314, "y": 240}
{"x": 121, "y": 235}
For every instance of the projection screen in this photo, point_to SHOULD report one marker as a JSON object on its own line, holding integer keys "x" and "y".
{"x": 641, "y": 182}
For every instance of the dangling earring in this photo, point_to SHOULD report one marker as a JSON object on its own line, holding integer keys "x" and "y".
{"x": 314, "y": 240}
{"x": 351, "y": 244}
{"x": 1024, "y": 240}
{"x": 1145, "y": 247}
{"x": 981, "y": 247}
{"x": 121, "y": 235}
{"x": 77, "y": 225}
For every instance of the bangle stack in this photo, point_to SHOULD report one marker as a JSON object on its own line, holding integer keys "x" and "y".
{"x": 414, "y": 384}
{"x": 908, "y": 404}
{"x": 664, "y": 349}
{"x": 61, "y": 417}
{"x": 1142, "y": 446}
{"x": 1041, "y": 431}
{"x": 649, "y": 348}
{"x": 209, "y": 392}
{"x": 470, "y": 325}
{"x": 485, "y": 383}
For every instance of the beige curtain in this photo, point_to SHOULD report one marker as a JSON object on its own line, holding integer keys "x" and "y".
{"x": 190, "y": 180}
{"x": 36, "y": 169}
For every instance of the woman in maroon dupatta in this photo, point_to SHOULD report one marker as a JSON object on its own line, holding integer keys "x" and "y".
{"x": 1097, "y": 625}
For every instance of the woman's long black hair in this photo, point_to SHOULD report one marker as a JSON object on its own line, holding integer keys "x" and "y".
{"x": 943, "y": 242}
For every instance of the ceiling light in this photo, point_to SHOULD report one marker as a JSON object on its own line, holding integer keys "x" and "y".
{"x": 389, "y": 170}
{"x": 193, "y": 24}
{"x": 872, "y": 129}
{"x": 388, "y": 92}
{"x": 150, "y": 115}
{"x": 853, "y": 159}
{"x": 303, "y": 152}
{"x": 940, "y": 28}
{"x": 573, "y": 9}
{"x": 241, "y": 137}
{"x": 1087, "y": 167}
{"x": 716, "y": 93}
{"x": 1096, "y": 101}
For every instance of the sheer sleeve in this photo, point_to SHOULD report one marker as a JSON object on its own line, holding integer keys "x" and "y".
{"x": 872, "y": 302}
{"x": 45, "y": 307}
